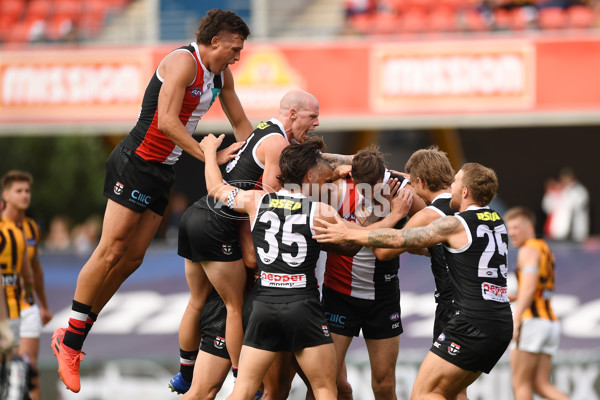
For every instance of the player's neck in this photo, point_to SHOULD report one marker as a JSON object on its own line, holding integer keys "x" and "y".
{"x": 14, "y": 214}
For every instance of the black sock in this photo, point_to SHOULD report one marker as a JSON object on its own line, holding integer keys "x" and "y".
{"x": 92, "y": 317}
{"x": 187, "y": 360}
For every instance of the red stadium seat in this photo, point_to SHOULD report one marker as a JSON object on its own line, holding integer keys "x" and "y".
{"x": 442, "y": 19}
{"x": 501, "y": 19}
{"x": 474, "y": 22}
{"x": 414, "y": 21}
{"x": 520, "y": 19}
{"x": 10, "y": 12}
{"x": 580, "y": 17}
{"x": 386, "y": 23}
{"x": 552, "y": 18}
{"x": 38, "y": 9}
{"x": 362, "y": 22}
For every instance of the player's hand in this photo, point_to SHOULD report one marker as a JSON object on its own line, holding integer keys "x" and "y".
{"x": 46, "y": 315}
{"x": 210, "y": 143}
{"x": 328, "y": 232}
{"x": 7, "y": 337}
{"x": 229, "y": 153}
{"x": 402, "y": 202}
{"x": 342, "y": 171}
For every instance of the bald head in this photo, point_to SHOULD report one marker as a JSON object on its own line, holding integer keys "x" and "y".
{"x": 299, "y": 114}
{"x": 297, "y": 100}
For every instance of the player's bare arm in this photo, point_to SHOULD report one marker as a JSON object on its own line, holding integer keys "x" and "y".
{"x": 528, "y": 260}
{"x": 335, "y": 160}
{"x": 232, "y": 107}
{"x": 441, "y": 230}
{"x": 178, "y": 70}
{"x": 245, "y": 201}
{"x": 268, "y": 152}
{"x": 421, "y": 218}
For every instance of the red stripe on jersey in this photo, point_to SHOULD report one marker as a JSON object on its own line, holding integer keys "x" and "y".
{"x": 338, "y": 269}
{"x": 156, "y": 146}
{"x": 190, "y": 103}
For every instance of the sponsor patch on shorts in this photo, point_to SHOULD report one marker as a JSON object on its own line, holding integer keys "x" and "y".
{"x": 283, "y": 280}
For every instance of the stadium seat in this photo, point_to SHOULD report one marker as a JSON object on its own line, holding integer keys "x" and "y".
{"x": 442, "y": 20}
{"x": 362, "y": 22}
{"x": 501, "y": 19}
{"x": 580, "y": 17}
{"x": 520, "y": 18}
{"x": 38, "y": 9}
{"x": 386, "y": 23}
{"x": 474, "y": 22}
{"x": 10, "y": 12}
{"x": 552, "y": 18}
{"x": 414, "y": 20}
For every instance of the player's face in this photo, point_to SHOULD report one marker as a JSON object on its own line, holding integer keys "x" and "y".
{"x": 517, "y": 230}
{"x": 228, "y": 51}
{"x": 18, "y": 195}
{"x": 457, "y": 190}
{"x": 305, "y": 120}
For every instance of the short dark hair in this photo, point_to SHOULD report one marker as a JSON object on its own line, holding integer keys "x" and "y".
{"x": 15, "y": 176}
{"x": 368, "y": 166}
{"x": 520, "y": 211}
{"x": 298, "y": 158}
{"x": 432, "y": 166}
{"x": 481, "y": 181}
{"x": 217, "y": 21}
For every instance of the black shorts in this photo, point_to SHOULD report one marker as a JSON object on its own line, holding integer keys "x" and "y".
{"x": 136, "y": 183}
{"x": 212, "y": 325}
{"x": 286, "y": 326}
{"x": 444, "y": 312}
{"x": 205, "y": 236}
{"x": 467, "y": 347}
{"x": 347, "y": 315}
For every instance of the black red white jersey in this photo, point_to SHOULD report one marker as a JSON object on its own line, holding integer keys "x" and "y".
{"x": 478, "y": 270}
{"x": 439, "y": 268}
{"x": 362, "y": 276}
{"x": 145, "y": 138}
{"x": 286, "y": 252}
{"x": 245, "y": 170}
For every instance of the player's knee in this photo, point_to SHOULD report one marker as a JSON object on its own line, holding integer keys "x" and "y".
{"x": 383, "y": 387}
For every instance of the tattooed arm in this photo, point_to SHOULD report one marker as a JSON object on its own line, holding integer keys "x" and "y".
{"x": 335, "y": 160}
{"x": 445, "y": 229}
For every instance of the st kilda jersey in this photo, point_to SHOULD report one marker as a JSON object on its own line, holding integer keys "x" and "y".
{"x": 363, "y": 275}
{"x": 478, "y": 271}
{"x": 439, "y": 268}
{"x": 245, "y": 170}
{"x": 145, "y": 138}
{"x": 286, "y": 253}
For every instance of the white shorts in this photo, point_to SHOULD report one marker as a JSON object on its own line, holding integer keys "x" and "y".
{"x": 539, "y": 336}
{"x": 31, "y": 322}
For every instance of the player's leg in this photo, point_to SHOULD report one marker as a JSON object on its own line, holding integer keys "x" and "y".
{"x": 541, "y": 380}
{"x": 143, "y": 234}
{"x": 278, "y": 379}
{"x": 29, "y": 343}
{"x": 439, "y": 379}
{"x": 209, "y": 375}
{"x": 189, "y": 328}
{"x": 253, "y": 366}
{"x": 523, "y": 365}
{"x": 319, "y": 366}
{"x": 229, "y": 280}
{"x": 383, "y": 354}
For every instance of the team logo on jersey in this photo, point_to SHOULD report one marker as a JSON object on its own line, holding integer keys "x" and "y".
{"x": 325, "y": 330}
{"x": 118, "y": 188}
{"x": 196, "y": 92}
{"x": 442, "y": 337}
{"x": 388, "y": 277}
{"x": 453, "y": 349}
{"x": 219, "y": 342}
{"x": 227, "y": 249}
{"x": 395, "y": 316}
